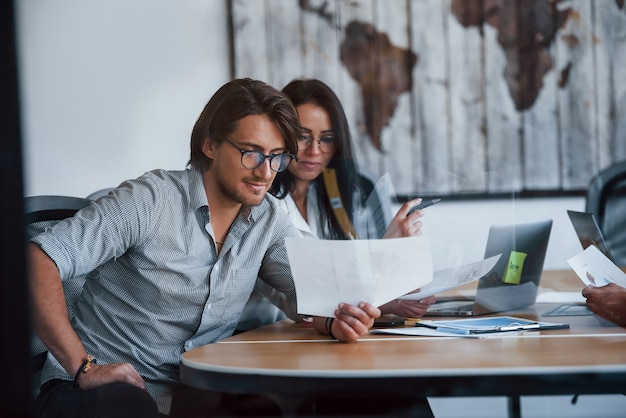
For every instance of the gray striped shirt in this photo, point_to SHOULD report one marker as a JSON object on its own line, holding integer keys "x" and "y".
{"x": 157, "y": 286}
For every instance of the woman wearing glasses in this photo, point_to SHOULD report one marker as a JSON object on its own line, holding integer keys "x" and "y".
{"x": 324, "y": 195}
{"x": 308, "y": 187}
{"x": 326, "y": 171}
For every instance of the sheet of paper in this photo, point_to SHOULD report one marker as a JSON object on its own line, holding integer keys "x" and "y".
{"x": 328, "y": 272}
{"x": 450, "y": 278}
{"x": 551, "y": 296}
{"x": 596, "y": 269}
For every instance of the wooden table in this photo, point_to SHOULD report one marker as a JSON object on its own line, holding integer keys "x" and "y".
{"x": 290, "y": 362}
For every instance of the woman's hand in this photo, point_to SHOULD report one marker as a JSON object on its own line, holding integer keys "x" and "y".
{"x": 408, "y": 308}
{"x": 405, "y": 226}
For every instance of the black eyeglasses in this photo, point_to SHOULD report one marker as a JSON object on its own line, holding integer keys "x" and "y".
{"x": 326, "y": 142}
{"x": 252, "y": 159}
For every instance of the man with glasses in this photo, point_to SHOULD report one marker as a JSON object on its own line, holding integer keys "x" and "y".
{"x": 173, "y": 256}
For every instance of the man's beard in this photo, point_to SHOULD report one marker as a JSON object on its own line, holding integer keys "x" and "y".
{"x": 248, "y": 199}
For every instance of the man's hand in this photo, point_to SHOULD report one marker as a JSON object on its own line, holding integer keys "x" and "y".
{"x": 352, "y": 322}
{"x": 608, "y": 302}
{"x": 109, "y": 373}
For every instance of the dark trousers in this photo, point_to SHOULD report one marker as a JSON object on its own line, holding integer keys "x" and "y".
{"x": 59, "y": 398}
{"x": 188, "y": 402}
{"x": 195, "y": 403}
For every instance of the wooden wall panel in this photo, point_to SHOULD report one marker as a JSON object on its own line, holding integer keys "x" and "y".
{"x": 467, "y": 136}
{"x": 285, "y": 37}
{"x": 540, "y": 131}
{"x": 482, "y": 114}
{"x": 503, "y": 122}
{"x": 617, "y": 39}
{"x": 431, "y": 98}
{"x": 321, "y": 36}
{"x": 251, "y": 54}
{"x": 398, "y": 161}
{"x": 577, "y": 99}
{"x": 610, "y": 62}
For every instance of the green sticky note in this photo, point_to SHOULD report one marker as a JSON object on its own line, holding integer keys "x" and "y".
{"x": 513, "y": 273}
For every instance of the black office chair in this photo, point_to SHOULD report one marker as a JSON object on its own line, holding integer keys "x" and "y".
{"x": 42, "y": 212}
{"x": 606, "y": 199}
{"x": 52, "y": 208}
{"x": 99, "y": 193}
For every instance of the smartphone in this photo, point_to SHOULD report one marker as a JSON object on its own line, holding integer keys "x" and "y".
{"x": 423, "y": 205}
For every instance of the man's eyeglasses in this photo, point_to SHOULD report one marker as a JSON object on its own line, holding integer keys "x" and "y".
{"x": 327, "y": 142}
{"x": 252, "y": 159}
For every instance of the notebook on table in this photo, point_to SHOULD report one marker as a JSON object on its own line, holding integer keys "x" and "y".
{"x": 513, "y": 283}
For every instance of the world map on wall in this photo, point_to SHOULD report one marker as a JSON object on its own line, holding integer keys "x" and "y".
{"x": 383, "y": 72}
{"x": 525, "y": 31}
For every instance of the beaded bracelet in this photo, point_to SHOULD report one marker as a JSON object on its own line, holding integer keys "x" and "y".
{"x": 84, "y": 367}
{"x": 329, "y": 327}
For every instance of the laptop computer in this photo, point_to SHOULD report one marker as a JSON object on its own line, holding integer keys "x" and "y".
{"x": 589, "y": 232}
{"x": 513, "y": 283}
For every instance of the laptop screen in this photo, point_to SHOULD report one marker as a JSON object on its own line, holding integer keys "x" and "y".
{"x": 514, "y": 281}
{"x": 588, "y": 231}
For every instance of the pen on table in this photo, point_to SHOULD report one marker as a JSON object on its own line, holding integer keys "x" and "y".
{"x": 518, "y": 327}
{"x": 428, "y": 324}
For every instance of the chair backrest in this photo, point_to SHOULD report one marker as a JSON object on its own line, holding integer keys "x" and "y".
{"x": 51, "y": 207}
{"x": 606, "y": 199}
{"x": 99, "y": 193}
{"x": 42, "y": 212}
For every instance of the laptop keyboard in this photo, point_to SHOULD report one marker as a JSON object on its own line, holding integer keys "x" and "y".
{"x": 463, "y": 308}
{"x": 452, "y": 307}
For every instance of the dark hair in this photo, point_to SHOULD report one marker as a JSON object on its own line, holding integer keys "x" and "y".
{"x": 234, "y": 101}
{"x": 312, "y": 91}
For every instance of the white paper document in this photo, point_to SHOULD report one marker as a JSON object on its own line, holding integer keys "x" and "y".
{"x": 450, "y": 278}
{"x": 328, "y": 272}
{"x": 550, "y": 296}
{"x": 594, "y": 268}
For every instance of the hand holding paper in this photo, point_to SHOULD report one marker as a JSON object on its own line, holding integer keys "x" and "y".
{"x": 594, "y": 268}
{"x": 450, "y": 278}
{"x": 328, "y": 272}
{"x": 605, "y": 293}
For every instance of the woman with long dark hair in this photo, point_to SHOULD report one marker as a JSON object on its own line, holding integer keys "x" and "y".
{"x": 325, "y": 196}
{"x": 323, "y": 190}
